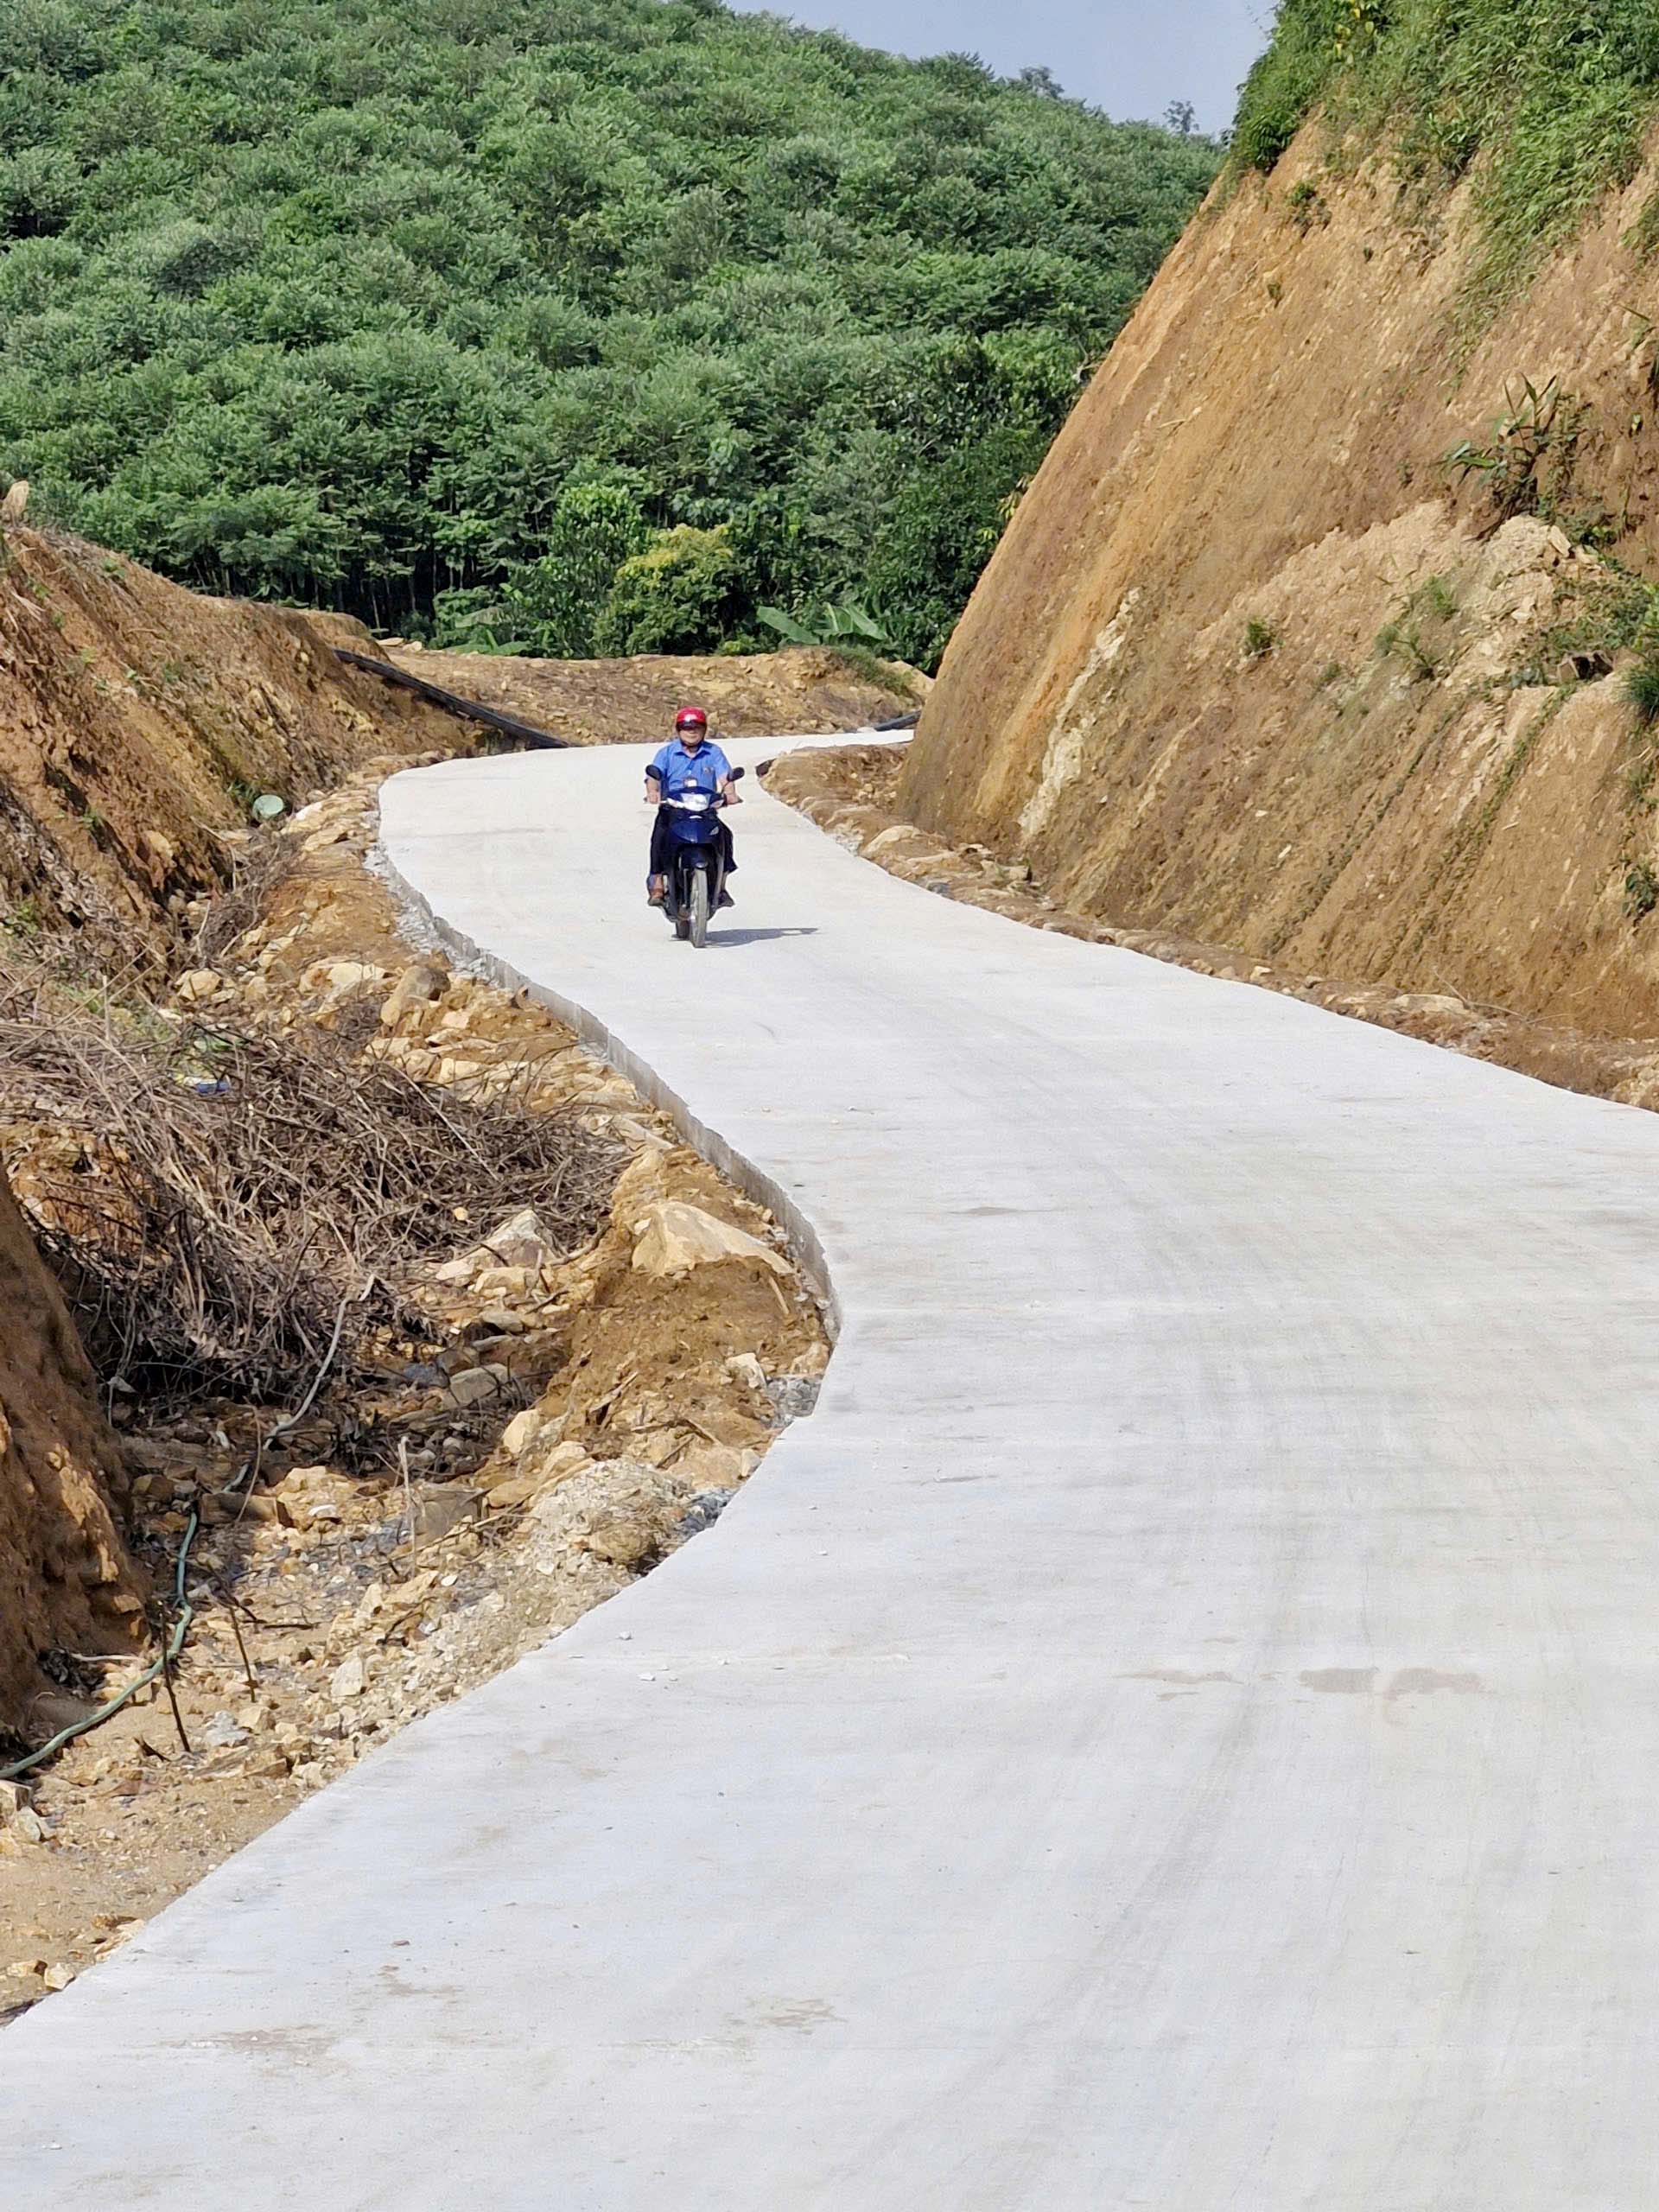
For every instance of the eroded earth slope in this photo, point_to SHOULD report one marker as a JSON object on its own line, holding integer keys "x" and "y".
{"x": 1260, "y": 663}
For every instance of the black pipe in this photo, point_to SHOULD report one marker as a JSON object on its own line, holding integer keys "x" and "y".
{"x": 542, "y": 740}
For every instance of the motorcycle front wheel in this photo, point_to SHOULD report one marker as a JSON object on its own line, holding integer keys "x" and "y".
{"x": 699, "y": 919}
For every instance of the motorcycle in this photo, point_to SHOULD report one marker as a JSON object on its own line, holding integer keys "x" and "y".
{"x": 697, "y": 874}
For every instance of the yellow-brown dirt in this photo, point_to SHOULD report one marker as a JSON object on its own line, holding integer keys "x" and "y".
{"x": 634, "y": 701}
{"x": 65, "y": 1581}
{"x": 1267, "y": 445}
{"x": 138, "y": 721}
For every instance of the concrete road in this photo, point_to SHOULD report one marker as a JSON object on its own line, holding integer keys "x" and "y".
{"x": 1178, "y": 1728}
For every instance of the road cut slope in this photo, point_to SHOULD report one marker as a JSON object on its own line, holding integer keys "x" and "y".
{"x": 1177, "y": 1728}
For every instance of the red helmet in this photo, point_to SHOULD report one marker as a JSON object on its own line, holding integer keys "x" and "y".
{"x": 691, "y": 718}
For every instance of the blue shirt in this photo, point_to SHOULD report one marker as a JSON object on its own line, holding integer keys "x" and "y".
{"x": 681, "y": 771}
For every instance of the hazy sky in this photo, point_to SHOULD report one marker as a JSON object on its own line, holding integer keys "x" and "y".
{"x": 1128, "y": 57}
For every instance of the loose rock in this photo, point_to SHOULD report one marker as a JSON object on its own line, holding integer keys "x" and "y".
{"x": 673, "y": 1237}
{"x": 199, "y": 985}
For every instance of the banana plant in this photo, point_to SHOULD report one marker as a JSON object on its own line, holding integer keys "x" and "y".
{"x": 830, "y": 625}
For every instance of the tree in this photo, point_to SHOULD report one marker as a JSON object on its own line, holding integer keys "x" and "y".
{"x": 450, "y": 314}
{"x": 561, "y": 599}
{"x": 680, "y": 595}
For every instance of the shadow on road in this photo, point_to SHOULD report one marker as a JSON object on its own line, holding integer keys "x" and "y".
{"x": 755, "y": 936}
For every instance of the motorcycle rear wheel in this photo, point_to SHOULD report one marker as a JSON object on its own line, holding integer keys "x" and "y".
{"x": 699, "y": 924}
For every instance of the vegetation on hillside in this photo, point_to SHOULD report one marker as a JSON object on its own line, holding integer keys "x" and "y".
{"x": 590, "y": 325}
{"x": 1544, "y": 101}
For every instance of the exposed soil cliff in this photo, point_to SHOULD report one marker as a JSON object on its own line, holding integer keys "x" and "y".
{"x": 138, "y": 721}
{"x": 1256, "y": 663}
{"x": 65, "y": 1582}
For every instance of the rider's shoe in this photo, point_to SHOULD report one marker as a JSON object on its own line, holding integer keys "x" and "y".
{"x": 656, "y": 892}
{"x": 725, "y": 900}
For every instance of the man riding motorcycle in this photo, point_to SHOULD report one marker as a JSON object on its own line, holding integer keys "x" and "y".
{"x": 689, "y": 762}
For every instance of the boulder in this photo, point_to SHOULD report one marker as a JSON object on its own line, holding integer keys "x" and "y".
{"x": 437, "y": 1508}
{"x": 475, "y": 1384}
{"x": 311, "y": 1497}
{"x": 521, "y": 1432}
{"x": 561, "y": 1463}
{"x": 716, "y": 1466}
{"x": 517, "y": 1483}
{"x": 520, "y": 1242}
{"x": 671, "y": 1238}
{"x": 629, "y": 1541}
{"x": 199, "y": 985}
{"x": 417, "y": 987}
{"x": 516, "y": 1490}
{"x": 345, "y": 976}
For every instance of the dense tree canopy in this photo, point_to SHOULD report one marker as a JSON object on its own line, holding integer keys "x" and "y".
{"x": 576, "y": 323}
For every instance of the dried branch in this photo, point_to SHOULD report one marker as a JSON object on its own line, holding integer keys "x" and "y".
{"x": 231, "y": 1191}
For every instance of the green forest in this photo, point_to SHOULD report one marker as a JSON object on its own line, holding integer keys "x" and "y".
{"x": 563, "y": 326}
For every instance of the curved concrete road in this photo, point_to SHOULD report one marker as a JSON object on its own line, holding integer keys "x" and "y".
{"x": 1178, "y": 1729}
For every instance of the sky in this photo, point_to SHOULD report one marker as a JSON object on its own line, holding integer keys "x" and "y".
{"x": 1128, "y": 57}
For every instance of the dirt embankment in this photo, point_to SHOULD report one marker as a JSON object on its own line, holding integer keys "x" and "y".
{"x": 136, "y": 722}
{"x": 66, "y": 1583}
{"x": 854, "y": 793}
{"x": 633, "y": 701}
{"x": 139, "y": 722}
{"x": 1256, "y": 665}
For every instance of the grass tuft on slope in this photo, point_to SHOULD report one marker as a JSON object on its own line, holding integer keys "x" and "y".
{"x": 1542, "y": 103}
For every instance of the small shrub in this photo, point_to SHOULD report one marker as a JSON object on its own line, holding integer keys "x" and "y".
{"x": 677, "y": 596}
{"x": 1641, "y": 891}
{"x": 1260, "y": 640}
{"x": 1306, "y": 207}
{"x": 1530, "y": 464}
{"x": 866, "y": 664}
{"x": 1642, "y": 689}
{"x": 1403, "y": 640}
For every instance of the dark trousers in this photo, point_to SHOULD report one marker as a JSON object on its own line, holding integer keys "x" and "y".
{"x": 662, "y": 844}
